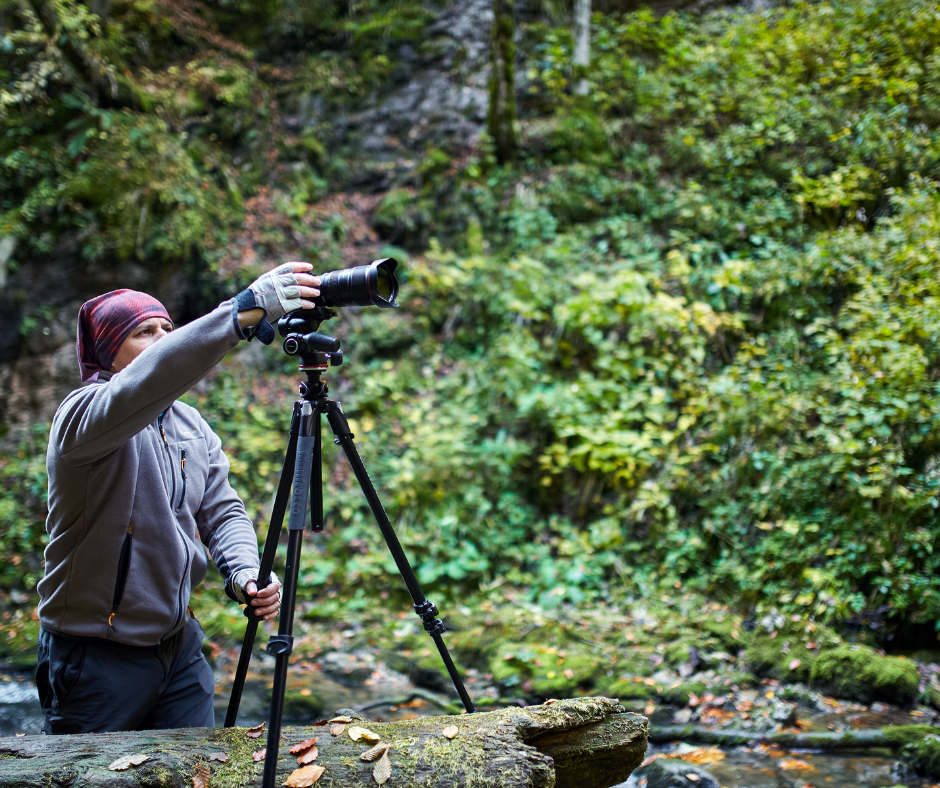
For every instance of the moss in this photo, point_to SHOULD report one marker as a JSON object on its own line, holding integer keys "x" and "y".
{"x": 788, "y": 653}
{"x": 630, "y": 689}
{"x": 931, "y": 697}
{"x": 681, "y": 695}
{"x": 919, "y": 747}
{"x": 858, "y": 673}
{"x": 239, "y": 770}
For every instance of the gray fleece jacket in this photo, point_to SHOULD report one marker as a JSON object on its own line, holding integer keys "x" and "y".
{"x": 138, "y": 483}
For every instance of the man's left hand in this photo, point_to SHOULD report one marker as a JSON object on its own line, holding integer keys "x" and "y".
{"x": 267, "y": 601}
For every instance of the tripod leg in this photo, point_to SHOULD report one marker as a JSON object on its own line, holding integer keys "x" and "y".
{"x": 425, "y": 609}
{"x": 267, "y": 564}
{"x": 281, "y": 645}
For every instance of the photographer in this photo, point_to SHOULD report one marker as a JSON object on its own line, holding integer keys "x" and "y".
{"x": 138, "y": 483}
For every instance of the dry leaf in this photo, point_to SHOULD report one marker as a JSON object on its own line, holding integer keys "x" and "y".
{"x": 550, "y": 701}
{"x": 356, "y": 733}
{"x": 122, "y": 764}
{"x": 301, "y": 778}
{"x": 337, "y": 730}
{"x": 692, "y": 776}
{"x": 796, "y": 764}
{"x": 794, "y": 664}
{"x": 308, "y": 757}
{"x": 701, "y": 756}
{"x": 221, "y": 757}
{"x": 345, "y": 720}
{"x": 301, "y": 746}
{"x": 254, "y": 733}
{"x": 375, "y": 752}
{"x": 201, "y": 777}
{"x": 450, "y": 731}
{"x": 258, "y": 755}
{"x": 383, "y": 769}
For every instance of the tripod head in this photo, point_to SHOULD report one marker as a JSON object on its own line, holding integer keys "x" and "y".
{"x": 301, "y": 338}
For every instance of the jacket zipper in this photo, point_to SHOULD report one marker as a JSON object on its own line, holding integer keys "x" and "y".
{"x": 179, "y": 594}
{"x": 183, "y": 474}
{"x": 124, "y": 564}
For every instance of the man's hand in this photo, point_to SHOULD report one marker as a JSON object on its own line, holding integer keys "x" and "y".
{"x": 267, "y": 601}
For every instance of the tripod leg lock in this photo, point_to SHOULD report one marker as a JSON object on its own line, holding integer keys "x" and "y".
{"x": 280, "y": 644}
{"x": 428, "y": 613}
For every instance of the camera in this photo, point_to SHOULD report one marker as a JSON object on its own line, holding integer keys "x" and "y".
{"x": 364, "y": 285}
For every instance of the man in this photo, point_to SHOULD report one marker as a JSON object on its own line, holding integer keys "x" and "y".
{"x": 138, "y": 483}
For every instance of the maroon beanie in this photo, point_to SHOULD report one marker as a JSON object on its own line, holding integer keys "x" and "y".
{"x": 106, "y": 321}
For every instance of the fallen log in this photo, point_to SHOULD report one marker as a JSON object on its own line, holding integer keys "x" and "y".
{"x": 818, "y": 740}
{"x": 583, "y": 743}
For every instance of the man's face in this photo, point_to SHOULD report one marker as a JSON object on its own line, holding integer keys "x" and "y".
{"x": 139, "y": 340}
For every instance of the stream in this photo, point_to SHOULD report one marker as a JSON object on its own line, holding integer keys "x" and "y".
{"x": 361, "y": 681}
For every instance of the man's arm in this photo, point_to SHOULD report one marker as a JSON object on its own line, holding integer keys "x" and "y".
{"x": 227, "y": 531}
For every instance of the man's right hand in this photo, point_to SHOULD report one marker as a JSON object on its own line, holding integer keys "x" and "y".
{"x": 279, "y": 291}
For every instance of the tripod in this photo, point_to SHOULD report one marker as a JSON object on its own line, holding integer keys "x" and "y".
{"x": 302, "y": 477}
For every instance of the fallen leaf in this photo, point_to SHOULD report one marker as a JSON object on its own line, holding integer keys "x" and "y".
{"x": 301, "y": 778}
{"x": 450, "y": 731}
{"x": 122, "y": 764}
{"x": 682, "y": 716}
{"x": 373, "y": 753}
{"x": 258, "y": 755}
{"x": 795, "y": 664}
{"x": 308, "y": 757}
{"x": 383, "y": 769}
{"x": 692, "y": 776}
{"x": 693, "y": 700}
{"x": 796, "y": 764}
{"x": 343, "y": 719}
{"x": 701, "y": 756}
{"x": 301, "y": 746}
{"x": 255, "y": 733}
{"x": 356, "y": 733}
{"x": 337, "y": 730}
{"x": 550, "y": 701}
{"x": 569, "y": 673}
{"x": 221, "y": 757}
{"x": 201, "y": 777}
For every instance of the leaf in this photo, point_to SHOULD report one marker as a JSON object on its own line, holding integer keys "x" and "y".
{"x": 301, "y": 746}
{"x": 450, "y": 731}
{"x": 356, "y": 733}
{"x": 342, "y": 719}
{"x": 258, "y": 755}
{"x": 797, "y": 765}
{"x": 692, "y": 776}
{"x": 383, "y": 769}
{"x": 375, "y": 752}
{"x": 308, "y": 757}
{"x": 301, "y": 778}
{"x": 794, "y": 664}
{"x": 254, "y": 733}
{"x": 201, "y": 777}
{"x": 122, "y": 764}
{"x": 337, "y": 730}
{"x": 221, "y": 757}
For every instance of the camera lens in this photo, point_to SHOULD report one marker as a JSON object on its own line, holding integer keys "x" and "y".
{"x": 365, "y": 285}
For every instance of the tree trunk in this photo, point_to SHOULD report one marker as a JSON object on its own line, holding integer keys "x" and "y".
{"x": 585, "y": 743}
{"x": 582, "y": 46}
{"x": 501, "y": 118}
{"x": 822, "y": 740}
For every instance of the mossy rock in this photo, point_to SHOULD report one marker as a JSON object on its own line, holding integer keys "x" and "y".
{"x": 630, "y": 689}
{"x": 576, "y": 672}
{"x": 858, "y": 673}
{"x": 727, "y": 634}
{"x": 919, "y": 747}
{"x": 788, "y": 653}
{"x": 301, "y": 709}
{"x": 931, "y": 697}
{"x": 681, "y": 695}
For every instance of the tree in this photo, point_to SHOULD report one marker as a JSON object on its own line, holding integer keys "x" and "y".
{"x": 582, "y": 46}
{"x": 500, "y": 120}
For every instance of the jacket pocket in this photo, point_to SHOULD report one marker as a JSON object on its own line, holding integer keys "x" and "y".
{"x": 183, "y": 475}
{"x": 66, "y": 660}
{"x": 124, "y": 565}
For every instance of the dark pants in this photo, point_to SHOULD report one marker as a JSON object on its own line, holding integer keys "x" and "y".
{"x": 92, "y": 685}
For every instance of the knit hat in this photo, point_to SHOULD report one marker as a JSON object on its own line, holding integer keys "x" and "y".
{"x": 106, "y": 321}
